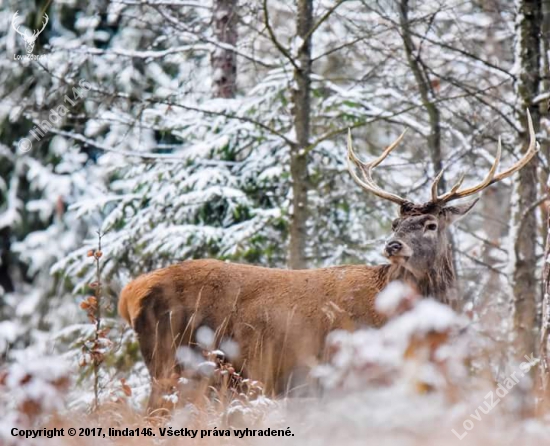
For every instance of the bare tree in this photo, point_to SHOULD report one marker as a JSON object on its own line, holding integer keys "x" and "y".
{"x": 544, "y": 181}
{"x": 545, "y": 325}
{"x": 525, "y": 283}
{"x": 426, "y": 88}
{"x": 223, "y": 57}
{"x": 298, "y": 155}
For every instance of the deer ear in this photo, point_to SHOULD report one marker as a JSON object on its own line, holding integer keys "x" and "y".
{"x": 454, "y": 213}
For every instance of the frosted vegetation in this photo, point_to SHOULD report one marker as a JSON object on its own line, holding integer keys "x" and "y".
{"x": 164, "y": 170}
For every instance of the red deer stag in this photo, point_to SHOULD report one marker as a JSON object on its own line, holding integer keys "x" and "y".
{"x": 279, "y": 318}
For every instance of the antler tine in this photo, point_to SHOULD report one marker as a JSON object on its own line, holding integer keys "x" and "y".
{"x": 454, "y": 193}
{"x": 435, "y": 183}
{"x": 368, "y": 183}
{"x": 458, "y": 184}
{"x": 529, "y": 154}
{"x": 491, "y": 177}
{"x": 388, "y": 149}
{"x": 366, "y": 168}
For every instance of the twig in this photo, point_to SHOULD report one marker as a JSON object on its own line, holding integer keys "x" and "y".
{"x": 278, "y": 44}
{"x": 97, "y": 360}
{"x": 322, "y": 20}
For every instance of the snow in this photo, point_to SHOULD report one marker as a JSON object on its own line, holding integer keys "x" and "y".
{"x": 381, "y": 356}
{"x": 8, "y": 333}
{"x": 170, "y": 174}
{"x": 389, "y": 298}
{"x": 217, "y": 75}
{"x": 230, "y": 348}
{"x": 188, "y": 357}
{"x": 205, "y": 337}
{"x": 427, "y": 316}
{"x": 41, "y": 382}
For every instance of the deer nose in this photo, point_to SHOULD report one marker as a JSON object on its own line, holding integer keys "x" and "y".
{"x": 393, "y": 247}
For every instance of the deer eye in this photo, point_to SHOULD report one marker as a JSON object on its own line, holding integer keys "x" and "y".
{"x": 431, "y": 227}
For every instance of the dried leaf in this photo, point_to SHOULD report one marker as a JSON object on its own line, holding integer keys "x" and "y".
{"x": 126, "y": 389}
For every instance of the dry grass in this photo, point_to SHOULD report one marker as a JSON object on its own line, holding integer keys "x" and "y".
{"x": 409, "y": 383}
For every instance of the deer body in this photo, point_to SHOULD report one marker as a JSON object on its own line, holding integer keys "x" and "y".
{"x": 279, "y": 318}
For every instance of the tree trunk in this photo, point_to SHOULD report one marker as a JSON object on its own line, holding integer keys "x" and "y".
{"x": 426, "y": 90}
{"x": 545, "y": 87}
{"x": 545, "y": 319}
{"x": 298, "y": 156}
{"x": 6, "y": 282}
{"x": 544, "y": 368}
{"x": 525, "y": 287}
{"x": 223, "y": 60}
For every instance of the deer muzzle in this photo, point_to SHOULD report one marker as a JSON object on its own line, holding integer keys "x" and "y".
{"x": 397, "y": 250}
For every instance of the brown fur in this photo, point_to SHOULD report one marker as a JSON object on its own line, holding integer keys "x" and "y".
{"x": 280, "y": 318}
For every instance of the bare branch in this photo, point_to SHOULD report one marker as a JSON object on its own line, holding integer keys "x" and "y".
{"x": 132, "y": 153}
{"x": 279, "y": 46}
{"x": 325, "y": 16}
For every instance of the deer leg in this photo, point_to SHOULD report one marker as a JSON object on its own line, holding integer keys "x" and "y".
{"x": 153, "y": 327}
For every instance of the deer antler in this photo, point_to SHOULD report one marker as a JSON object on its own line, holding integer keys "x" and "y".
{"x": 491, "y": 177}
{"x": 367, "y": 183}
{"x": 13, "y": 24}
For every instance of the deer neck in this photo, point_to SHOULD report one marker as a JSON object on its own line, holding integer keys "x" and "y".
{"x": 438, "y": 282}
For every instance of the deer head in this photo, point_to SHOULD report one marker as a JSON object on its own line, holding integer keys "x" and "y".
{"x": 419, "y": 245}
{"x": 30, "y": 39}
